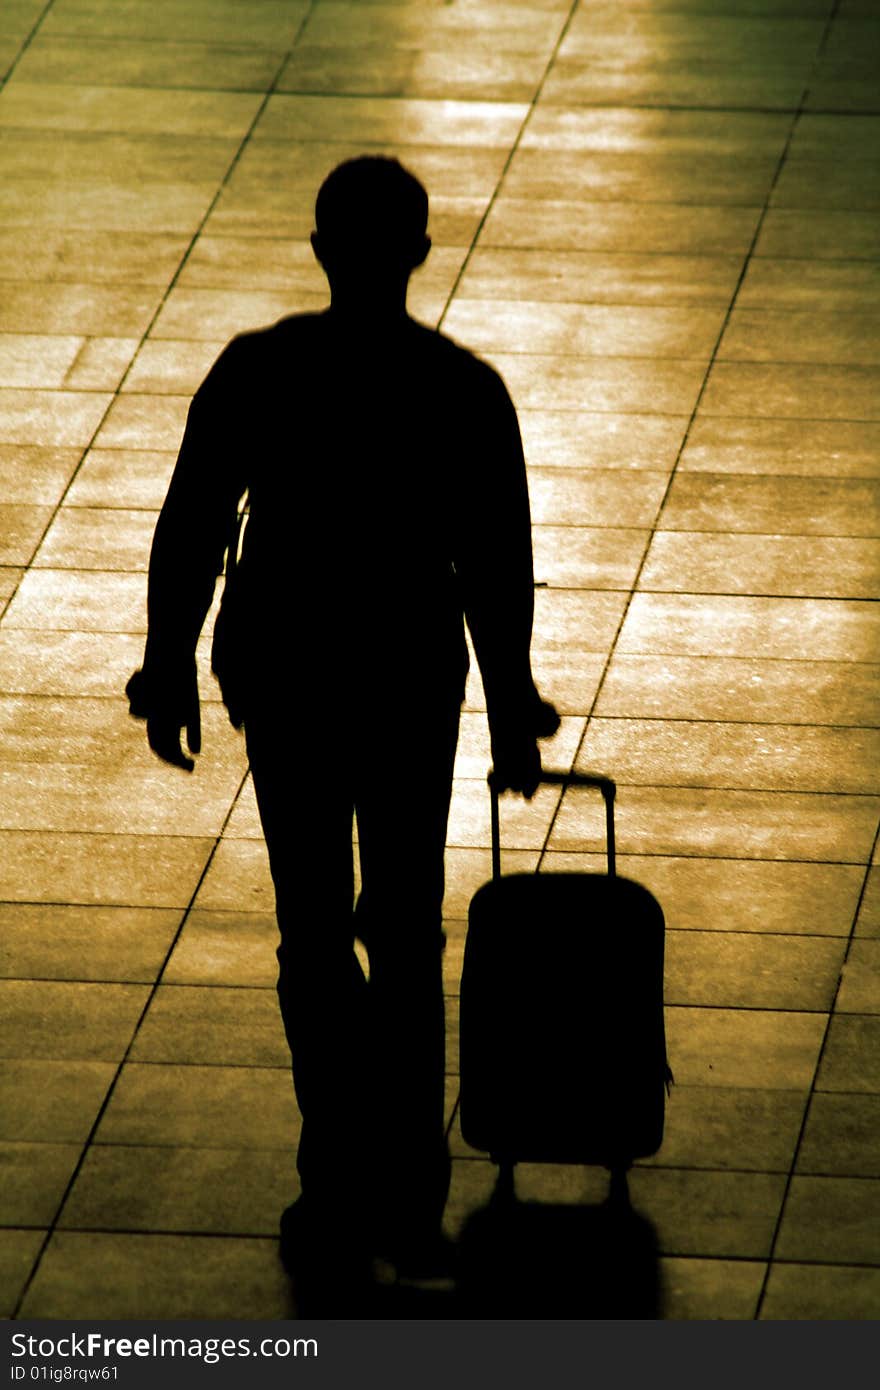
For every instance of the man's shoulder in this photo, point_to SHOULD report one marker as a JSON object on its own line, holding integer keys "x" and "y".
{"x": 255, "y": 351}
{"x": 473, "y": 372}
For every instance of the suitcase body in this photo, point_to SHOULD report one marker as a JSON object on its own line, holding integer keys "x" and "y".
{"x": 563, "y": 1052}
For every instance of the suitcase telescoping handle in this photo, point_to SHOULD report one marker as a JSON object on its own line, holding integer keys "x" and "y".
{"x": 560, "y": 779}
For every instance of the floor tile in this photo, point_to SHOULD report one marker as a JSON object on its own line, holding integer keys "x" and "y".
{"x": 822, "y": 286}
{"x": 46, "y": 106}
{"x": 747, "y": 895}
{"x": 222, "y": 1026}
{"x": 819, "y": 1292}
{"x": 829, "y": 449}
{"x": 10, "y": 578}
{"x": 144, "y": 422}
{"x": 62, "y": 942}
{"x": 77, "y": 599}
{"x": 791, "y": 390}
{"x": 220, "y": 20}
{"x": 580, "y": 439}
{"x": 238, "y": 879}
{"x": 758, "y": 1049}
{"x": 91, "y": 257}
{"x": 833, "y": 136}
{"x": 34, "y": 475}
{"x": 834, "y": 1220}
{"x": 170, "y": 367}
{"x": 583, "y": 330}
{"x": 37, "y": 360}
{"x": 49, "y": 1101}
{"x": 54, "y": 1019}
{"x": 216, "y": 1191}
{"x": 717, "y": 1127}
{"x": 376, "y": 120}
{"x": 525, "y": 823}
{"x": 35, "y": 1177}
{"x": 79, "y": 664}
{"x": 657, "y": 81}
{"x": 216, "y": 315}
{"x": 514, "y": 29}
{"x": 115, "y": 312}
{"x": 18, "y": 1252}
{"x": 85, "y": 538}
{"x": 116, "y": 157}
{"x": 568, "y": 175}
{"x": 202, "y": 1106}
{"x": 149, "y": 62}
{"x": 122, "y": 478}
{"x": 775, "y": 757}
{"x": 813, "y": 567}
{"x": 777, "y": 628}
{"x": 629, "y": 227}
{"x": 860, "y": 985}
{"x": 70, "y": 798}
{"x": 92, "y": 1275}
{"x": 754, "y": 824}
{"x": 851, "y": 1059}
{"x": 733, "y": 688}
{"x": 467, "y": 869}
{"x": 572, "y": 621}
{"x": 106, "y": 206}
{"x": 840, "y": 1137}
{"x": 817, "y": 235}
{"x": 128, "y": 870}
{"x": 53, "y": 418}
{"x": 792, "y": 506}
{"x": 262, "y": 263}
{"x": 21, "y": 529}
{"x": 580, "y": 557}
{"x": 868, "y": 923}
{"x": 374, "y": 69}
{"x": 225, "y": 948}
{"x": 752, "y": 971}
{"x": 827, "y": 185}
{"x": 595, "y": 497}
{"x": 743, "y": 38}
{"x": 709, "y": 1213}
{"x": 653, "y": 132}
{"x": 622, "y": 384}
{"x": 474, "y": 756}
{"x": 696, "y": 1289}
{"x": 600, "y": 277}
{"x": 828, "y": 336}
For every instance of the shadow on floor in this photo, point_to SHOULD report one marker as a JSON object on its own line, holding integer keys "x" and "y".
{"x": 515, "y": 1259}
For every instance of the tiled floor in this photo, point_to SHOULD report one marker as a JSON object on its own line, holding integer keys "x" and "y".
{"x": 659, "y": 219}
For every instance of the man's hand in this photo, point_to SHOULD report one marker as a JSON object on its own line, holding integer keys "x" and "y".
{"x": 516, "y": 766}
{"x": 168, "y": 705}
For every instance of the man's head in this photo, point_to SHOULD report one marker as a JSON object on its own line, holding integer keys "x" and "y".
{"x": 371, "y": 217}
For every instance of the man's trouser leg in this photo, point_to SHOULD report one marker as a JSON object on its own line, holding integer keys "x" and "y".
{"x": 306, "y": 812}
{"x": 368, "y": 1060}
{"x": 402, "y": 803}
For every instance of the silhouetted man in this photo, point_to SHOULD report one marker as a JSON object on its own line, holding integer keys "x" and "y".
{"x": 387, "y": 501}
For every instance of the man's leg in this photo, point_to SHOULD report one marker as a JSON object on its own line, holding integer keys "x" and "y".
{"x": 402, "y": 813}
{"x": 306, "y": 813}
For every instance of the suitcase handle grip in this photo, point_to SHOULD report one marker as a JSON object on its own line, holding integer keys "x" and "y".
{"x": 560, "y": 779}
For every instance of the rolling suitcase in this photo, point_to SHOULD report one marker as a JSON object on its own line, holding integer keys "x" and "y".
{"x": 563, "y": 1050}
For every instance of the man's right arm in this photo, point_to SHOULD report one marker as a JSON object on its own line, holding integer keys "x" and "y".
{"x": 189, "y": 543}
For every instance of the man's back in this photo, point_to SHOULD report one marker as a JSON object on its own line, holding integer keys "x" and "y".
{"x": 381, "y": 466}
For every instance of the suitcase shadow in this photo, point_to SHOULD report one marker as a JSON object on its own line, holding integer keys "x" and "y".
{"x": 537, "y": 1260}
